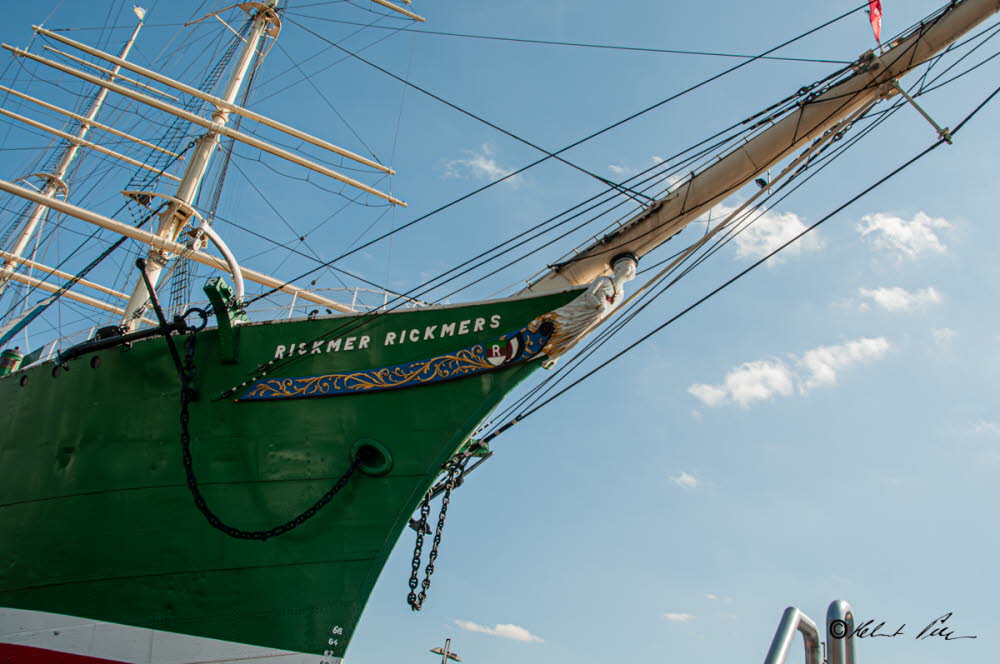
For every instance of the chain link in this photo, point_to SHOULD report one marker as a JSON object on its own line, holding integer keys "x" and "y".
{"x": 455, "y": 469}
{"x": 188, "y": 394}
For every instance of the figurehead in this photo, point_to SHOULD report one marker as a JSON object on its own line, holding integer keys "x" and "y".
{"x": 624, "y": 266}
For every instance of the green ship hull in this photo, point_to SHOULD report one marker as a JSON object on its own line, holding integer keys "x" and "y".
{"x": 98, "y": 521}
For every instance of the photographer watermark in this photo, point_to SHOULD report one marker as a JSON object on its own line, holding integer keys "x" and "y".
{"x": 938, "y": 628}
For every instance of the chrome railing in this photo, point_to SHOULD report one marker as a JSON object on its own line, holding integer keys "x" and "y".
{"x": 839, "y": 630}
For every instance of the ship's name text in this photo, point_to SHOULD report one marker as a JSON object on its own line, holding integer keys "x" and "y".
{"x": 393, "y": 338}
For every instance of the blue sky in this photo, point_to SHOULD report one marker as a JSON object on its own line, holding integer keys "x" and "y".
{"x": 825, "y": 428}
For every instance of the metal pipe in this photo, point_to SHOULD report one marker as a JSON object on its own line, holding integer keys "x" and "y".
{"x": 792, "y": 621}
{"x": 234, "y": 267}
{"x": 840, "y": 649}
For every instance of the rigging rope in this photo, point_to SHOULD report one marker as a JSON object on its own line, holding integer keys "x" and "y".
{"x": 568, "y": 147}
{"x": 275, "y": 364}
{"x": 478, "y": 118}
{"x": 535, "y": 408}
{"x": 593, "y": 345}
{"x": 548, "y": 42}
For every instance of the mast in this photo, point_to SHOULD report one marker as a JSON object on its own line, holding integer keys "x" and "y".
{"x": 874, "y": 78}
{"x": 55, "y": 181}
{"x": 180, "y": 210}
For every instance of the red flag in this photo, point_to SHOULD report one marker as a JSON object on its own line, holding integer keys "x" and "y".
{"x": 875, "y": 14}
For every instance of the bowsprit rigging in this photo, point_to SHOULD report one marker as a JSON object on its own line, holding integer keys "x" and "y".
{"x": 355, "y": 416}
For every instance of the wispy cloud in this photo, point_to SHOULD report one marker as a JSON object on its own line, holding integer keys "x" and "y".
{"x": 898, "y": 299}
{"x": 685, "y": 480}
{"x": 622, "y": 171}
{"x": 717, "y": 598}
{"x": 506, "y": 631}
{"x": 479, "y": 165}
{"x": 943, "y": 335}
{"x": 765, "y": 379}
{"x": 986, "y": 428}
{"x": 909, "y": 239}
{"x": 679, "y": 617}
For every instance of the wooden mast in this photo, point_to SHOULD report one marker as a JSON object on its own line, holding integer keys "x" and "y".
{"x": 55, "y": 180}
{"x": 179, "y": 211}
{"x": 178, "y": 214}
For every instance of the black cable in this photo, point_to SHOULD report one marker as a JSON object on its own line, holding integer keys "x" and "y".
{"x": 102, "y": 256}
{"x": 650, "y": 296}
{"x": 468, "y": 113}
{"x": 548, "y": 42}
{"x": 742, "y": 273}
{"x": 568, "y": 147}
{"x": 274, "y": 364}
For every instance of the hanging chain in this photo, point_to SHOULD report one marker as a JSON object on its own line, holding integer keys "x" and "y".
{"x": 188, "y": 394}
{"x": 455, "y": 468}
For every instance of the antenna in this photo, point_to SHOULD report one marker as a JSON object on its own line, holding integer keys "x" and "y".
{"x": 446, "y": 653}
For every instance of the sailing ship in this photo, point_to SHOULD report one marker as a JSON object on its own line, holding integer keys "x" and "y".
{"x": 278, "y": 459}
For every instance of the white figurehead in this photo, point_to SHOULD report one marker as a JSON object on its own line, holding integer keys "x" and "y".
{"x": 578, "y": 318}
{"x": 606, "y": 293}
{"x": 623, "y": 266}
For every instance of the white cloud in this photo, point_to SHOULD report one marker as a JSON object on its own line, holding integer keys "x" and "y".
{"x": 986, "y": 428}
{"x": 899, "y": 299}
{"x": 710, "y": 395}
{"x": 764, "y": 379}
{"x": 759, "y": 381}
{"x": 909, "y": 239}
{"x": 753, "y": 381}
{"x": 678, "y": 617}
{"x": 622, "y": 171}
{"x": 768, "y": 231}
{"x": 479, "y": 165}
{"x": 716, "y": 598}
{"x": 685, "y": 480}
{"x": 943, "y": 335}
{"x": 507, "y": 631}
{"x": 823, "y": 363}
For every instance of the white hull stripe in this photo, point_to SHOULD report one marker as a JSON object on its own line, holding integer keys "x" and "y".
{"x": 25, "y": 633}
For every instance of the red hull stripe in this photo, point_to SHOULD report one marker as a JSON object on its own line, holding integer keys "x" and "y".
{"x": 15, "y": 654}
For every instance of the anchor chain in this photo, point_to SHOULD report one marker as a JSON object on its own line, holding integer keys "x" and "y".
{"x": 455, "y": 468}
{"x": 189, "y": 394}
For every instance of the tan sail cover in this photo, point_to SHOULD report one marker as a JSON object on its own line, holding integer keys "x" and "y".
{"x": 873, "y": 79}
